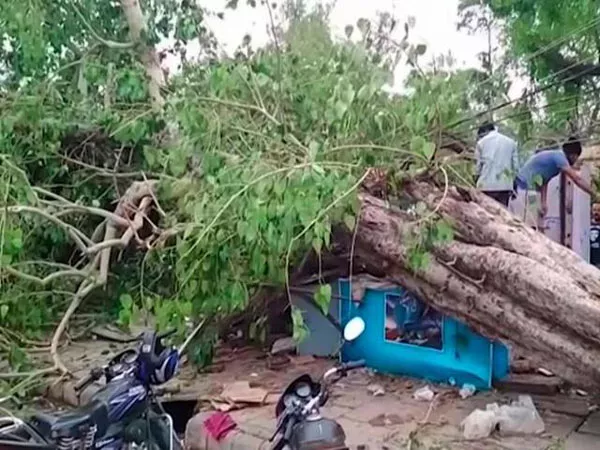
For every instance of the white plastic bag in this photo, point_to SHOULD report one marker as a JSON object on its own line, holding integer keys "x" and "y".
{"x": 467, "y": 390}
{"x": 479, "y": 424}
{"x": 521, "y": 417}
{"x": 424, "y": 394}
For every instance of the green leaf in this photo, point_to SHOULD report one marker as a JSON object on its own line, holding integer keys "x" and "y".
{"x": 313, "y": 149}
{"x": 262, "y": 80}
{"x": 3, "y": 311}
{"x": 323, "y": 297}
{"x": 420, "y": 49}
{"x": 418, "y": 259}
{"x": 126, "y": 301}
{"x": 178, "y": 160}
{"x": 443, "y": 231}
{"x": 349, "y": 221}
{"x": 300, "y": 331}
{"x": 340, "y": 109}
{"x": 348, "y": 95}
{"x": 317, "y": 244}
{"x": 417, "y": 143}
{"x": 428, "y": 150}
{"x": 364, "y": 92}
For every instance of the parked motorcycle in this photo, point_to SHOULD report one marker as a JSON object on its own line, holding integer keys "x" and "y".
{"x": 300, "y": 425}
{"x": 125, "y": 414}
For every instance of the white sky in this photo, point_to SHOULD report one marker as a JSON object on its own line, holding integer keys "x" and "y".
{"x": 435, "y": 27}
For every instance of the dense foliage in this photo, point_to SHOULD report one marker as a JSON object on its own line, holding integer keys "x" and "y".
{"x": 257, "y": 156}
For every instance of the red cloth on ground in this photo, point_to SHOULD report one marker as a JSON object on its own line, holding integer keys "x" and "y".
{"x": 219, "y": 425}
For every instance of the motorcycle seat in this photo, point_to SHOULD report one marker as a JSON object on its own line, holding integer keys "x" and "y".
{"x": 73, "y": 423}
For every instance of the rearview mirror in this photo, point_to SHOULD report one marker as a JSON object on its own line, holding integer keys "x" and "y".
{"x": 354, "y": 328}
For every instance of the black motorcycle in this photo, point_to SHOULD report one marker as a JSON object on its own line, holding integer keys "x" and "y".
{"x": 300, "y": 425}
{"x": 125, "y": 414}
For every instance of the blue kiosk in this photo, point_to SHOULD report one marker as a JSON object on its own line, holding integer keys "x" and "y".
{"x": 404, "y": 336}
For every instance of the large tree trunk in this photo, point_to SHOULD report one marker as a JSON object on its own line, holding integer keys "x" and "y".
{"x": 504, "y": 279}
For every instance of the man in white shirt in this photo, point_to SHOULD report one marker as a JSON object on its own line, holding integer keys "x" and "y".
{"x": 497, "y": 163}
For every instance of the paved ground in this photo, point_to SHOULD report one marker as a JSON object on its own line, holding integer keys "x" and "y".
{"x": 394, "y": 420}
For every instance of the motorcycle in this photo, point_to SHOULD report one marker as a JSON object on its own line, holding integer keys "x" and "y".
{"x": 300, "y": 425}
{"x": 124, "y": 414}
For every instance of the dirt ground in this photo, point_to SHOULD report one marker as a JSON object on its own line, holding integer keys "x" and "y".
{"x": 392, "y": 420}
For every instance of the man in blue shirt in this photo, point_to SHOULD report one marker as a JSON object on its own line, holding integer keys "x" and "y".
{"x": 540, "y": 169}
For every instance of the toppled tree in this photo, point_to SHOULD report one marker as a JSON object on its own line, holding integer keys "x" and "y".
{"x": 501, "y": 277}
{"x": 269, "y": 155}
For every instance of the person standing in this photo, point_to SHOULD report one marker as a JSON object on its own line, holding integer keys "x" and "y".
{"x": 497, "y": 159}
{"x": 537, "y": 172}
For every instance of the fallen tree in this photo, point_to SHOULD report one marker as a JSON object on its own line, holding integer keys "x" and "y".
{"x": 504, "y": 279}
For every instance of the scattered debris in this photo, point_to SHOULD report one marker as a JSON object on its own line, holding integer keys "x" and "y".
{"x": 479, "y": 424}
{"x": 545, "y": 372}
{"x": 219, "y": 405}
{"x": 376, "y": 390}
{"x": 277, "y": 362}
{"x": 521, "y": 366}
{"x": 529, "y": 383}
{"x": 218, "y": 425}
{"x": 241, "y": 392}
{"x": 467, "y": 390}
{"x": 283, "y": 345}
{"x": 520, "y": 417}
{"x": 301, "y": 360}
{"x": 386, "y": 420}
{"x": 112, "y": 333}
{"x": 424, "y": 394}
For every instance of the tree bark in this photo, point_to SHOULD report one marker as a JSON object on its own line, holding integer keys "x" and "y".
{"x": 504, "y": 279}
{"x": 137, "y": 29}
